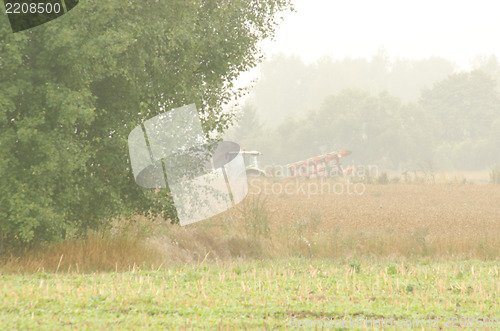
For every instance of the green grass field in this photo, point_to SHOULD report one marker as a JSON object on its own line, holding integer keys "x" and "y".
{"x": 245, "y": 294}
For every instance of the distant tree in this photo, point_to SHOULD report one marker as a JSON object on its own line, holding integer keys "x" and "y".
{"x": 72, "y": 90}
{"x": 465, "y": 104}
{"x": 454, "y": 125}
{"x": 408, "y": 77}
{"x": 289, "y": 87}
{"x": 488, "y": 65}
{"x": 248, "y": 126}
{"x": 281, "y": 90}
{"x": 379, "y": 129}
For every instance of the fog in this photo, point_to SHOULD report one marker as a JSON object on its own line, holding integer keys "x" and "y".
{"x": 399, "y": 94}
{"x": 395, "y": 114}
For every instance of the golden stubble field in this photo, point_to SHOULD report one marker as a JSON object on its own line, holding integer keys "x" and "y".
{"x": 437, "y": 212}
{"x": 424, "y": 221}
{"x": 394, "y": 222}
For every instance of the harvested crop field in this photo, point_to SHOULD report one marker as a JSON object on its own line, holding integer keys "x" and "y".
{"x": 282, "y": 294}
{"x": 394, "y": 222}
{"x": 442, "y": 218}
{"x": 443, "y": 221}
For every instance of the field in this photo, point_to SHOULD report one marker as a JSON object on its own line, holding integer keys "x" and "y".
{"x": 287, "y": 256}
{"x": 251, "y": 294}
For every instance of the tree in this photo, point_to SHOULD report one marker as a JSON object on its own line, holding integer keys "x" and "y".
{"x": 71, "y": 90}
{"x": 249, "y": 126}
{"x": 488, "y": 65}
{"x": 407, "y": 77}
{"x": 466, "y": 106}
{"x": 378, "y": 128}
{"x": 289, "y": 87}
{"x": 282, "y": 89}
{"x": 465, "y": 103}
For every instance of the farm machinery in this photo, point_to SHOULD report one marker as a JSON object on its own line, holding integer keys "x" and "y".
{"x": 252, "y": 164}
{"x": 326, "y": 165}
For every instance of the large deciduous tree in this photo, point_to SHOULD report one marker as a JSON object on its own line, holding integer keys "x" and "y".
{"x": 71, "y": 90}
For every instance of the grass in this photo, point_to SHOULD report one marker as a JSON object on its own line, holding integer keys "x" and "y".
{"x": 398, "y": 251}
{"x": 249, "y": 294}
{"x": 495, "y": 175}
{"x": 97, "y": 253}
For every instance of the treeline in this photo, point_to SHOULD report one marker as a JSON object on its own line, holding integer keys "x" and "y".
{"x": 288, "y": 86}
{"x": 452, "y": 125}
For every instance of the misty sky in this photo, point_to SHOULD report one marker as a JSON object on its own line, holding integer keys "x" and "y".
{"x": 456, "y": 30}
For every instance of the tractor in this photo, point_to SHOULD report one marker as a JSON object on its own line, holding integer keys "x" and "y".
{"x": 327, "y": 165}
{"x": 252, "y": 164}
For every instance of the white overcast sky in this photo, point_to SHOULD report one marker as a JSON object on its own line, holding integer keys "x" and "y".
{"x": 456, "y": 30}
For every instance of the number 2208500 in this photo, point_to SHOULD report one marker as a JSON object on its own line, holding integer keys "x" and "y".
{"x": 32, "y": 8}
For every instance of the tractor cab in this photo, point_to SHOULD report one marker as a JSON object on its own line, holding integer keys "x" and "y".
{"x": 251, "y": 158}
{"x": 252, "y": 163}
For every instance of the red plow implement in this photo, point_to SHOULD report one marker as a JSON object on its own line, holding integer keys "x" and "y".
{"x": 327, "y": 165}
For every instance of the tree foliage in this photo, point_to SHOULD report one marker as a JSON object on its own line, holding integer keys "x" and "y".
{"x": 71, "y": 90}
{"x": 454, "y": 126}
{"x": 467, "y": 108}
{"x": 380, "y": 129}
{"x": 288, "y": 86}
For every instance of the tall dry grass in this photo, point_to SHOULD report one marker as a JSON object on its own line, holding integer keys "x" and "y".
{"x": 97, "y": 253}
{"x": 495, "y": 175}
{"x": 389, "y": 222}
